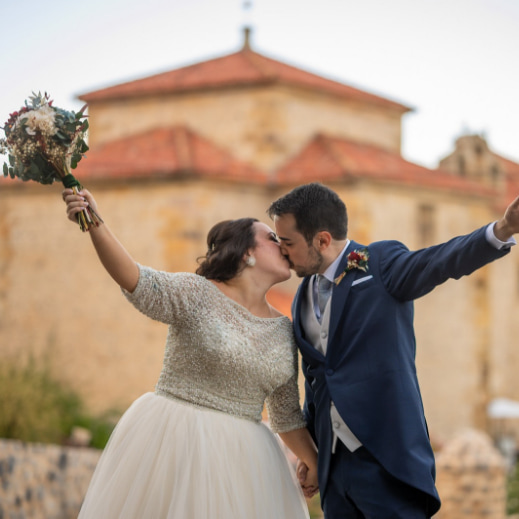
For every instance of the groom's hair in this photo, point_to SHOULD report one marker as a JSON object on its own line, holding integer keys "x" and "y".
{"x": 315, "y": 208}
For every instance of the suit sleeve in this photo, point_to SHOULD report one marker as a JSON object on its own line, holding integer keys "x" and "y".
{"x": 409, "y": 275}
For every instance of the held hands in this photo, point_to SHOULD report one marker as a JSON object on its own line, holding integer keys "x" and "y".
{"x": 307, "y": 479}
{"x": 77, "y": 203}
{"x": 508, "y": 225}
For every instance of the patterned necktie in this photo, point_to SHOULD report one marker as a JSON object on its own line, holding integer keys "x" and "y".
{"x": 324, "y": 291}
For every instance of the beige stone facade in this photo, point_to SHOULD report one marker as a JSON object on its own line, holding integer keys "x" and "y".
{"x": 56, "y": 300}
{"x": 263, "y": 126}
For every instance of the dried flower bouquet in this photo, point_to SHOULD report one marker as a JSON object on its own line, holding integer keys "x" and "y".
{"x": 44, "y": 143}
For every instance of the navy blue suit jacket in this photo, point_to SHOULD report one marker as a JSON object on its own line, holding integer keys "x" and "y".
{"x": 369, "y": 368}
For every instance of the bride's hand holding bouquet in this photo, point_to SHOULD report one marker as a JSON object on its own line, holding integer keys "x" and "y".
{"x": 78, "y": 201}
{"x": 43, "y": 143}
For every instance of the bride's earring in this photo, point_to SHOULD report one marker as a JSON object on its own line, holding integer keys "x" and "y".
{"x": 251, "y": 261}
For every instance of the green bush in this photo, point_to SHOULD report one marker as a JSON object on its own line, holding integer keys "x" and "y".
{"x": 100, "y": 427}
{"x": 512, "y": 505}
{"x": 36, "y": 407}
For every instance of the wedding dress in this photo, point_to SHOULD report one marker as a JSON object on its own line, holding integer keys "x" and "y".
{"x": 196, "y": 448}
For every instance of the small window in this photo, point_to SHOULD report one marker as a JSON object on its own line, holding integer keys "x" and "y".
{"x": 426, "y": 225}
{"x": 494, "y": 174}
{"x": 461, "y": 166}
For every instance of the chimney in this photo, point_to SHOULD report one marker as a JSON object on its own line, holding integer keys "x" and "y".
{"x": 246, "y": 38}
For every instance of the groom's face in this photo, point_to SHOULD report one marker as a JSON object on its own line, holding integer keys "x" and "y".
{"x": 304, "y": 258}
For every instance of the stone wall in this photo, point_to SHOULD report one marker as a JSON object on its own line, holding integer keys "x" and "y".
{"x": 49, "y": 482}
{"x": 40, "y": 481}
{"x": 471, "y": 478}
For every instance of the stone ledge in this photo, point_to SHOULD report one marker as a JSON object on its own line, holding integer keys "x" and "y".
{"x": 43, "y": 481}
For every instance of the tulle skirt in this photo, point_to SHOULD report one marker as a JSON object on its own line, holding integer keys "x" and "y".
{"x": 168, "y": 459}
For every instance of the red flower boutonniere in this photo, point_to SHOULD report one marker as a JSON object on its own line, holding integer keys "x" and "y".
{"x": 358, "y": 259}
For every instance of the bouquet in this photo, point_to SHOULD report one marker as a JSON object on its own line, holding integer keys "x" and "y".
{"x": 44, "y": 143}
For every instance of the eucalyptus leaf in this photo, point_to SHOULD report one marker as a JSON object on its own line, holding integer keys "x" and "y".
{"x": 34, "y": 170}
{"x": 40, "y": 161}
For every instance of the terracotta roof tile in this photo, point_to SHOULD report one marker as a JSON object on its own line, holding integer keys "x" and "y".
{"x": 164, "y": 152}
{"x": 245, "y": 67}
{"x": 328, "y": 158}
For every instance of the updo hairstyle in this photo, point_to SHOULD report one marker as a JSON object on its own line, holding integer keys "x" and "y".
{"x": 227, "y": 243}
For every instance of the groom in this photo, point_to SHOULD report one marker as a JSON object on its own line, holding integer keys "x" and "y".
{"x": 353, "y": 322}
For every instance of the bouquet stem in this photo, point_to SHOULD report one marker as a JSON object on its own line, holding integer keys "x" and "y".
{"x": 87, "y": 218}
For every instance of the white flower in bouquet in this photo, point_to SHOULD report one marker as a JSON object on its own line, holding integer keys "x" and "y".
{"x": 41, "y": 120}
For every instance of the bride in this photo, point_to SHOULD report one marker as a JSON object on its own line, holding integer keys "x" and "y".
{"x": 196, "y": 447}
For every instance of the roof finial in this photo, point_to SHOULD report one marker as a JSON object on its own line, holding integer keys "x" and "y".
{"x": 247, "y": 6}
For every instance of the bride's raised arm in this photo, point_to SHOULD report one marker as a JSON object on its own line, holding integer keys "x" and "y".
{"x": 114, "y": 257}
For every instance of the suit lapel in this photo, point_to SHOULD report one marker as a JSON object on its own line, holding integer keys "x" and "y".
{"x": 340, "y": 292}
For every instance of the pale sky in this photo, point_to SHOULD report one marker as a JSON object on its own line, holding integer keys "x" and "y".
{"x": 454, "y": 61}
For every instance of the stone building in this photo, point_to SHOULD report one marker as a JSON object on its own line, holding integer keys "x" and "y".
{"x": 173, "y": 153}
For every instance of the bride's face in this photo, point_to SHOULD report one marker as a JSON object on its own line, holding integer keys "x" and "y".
{"x": 267, "y": 252}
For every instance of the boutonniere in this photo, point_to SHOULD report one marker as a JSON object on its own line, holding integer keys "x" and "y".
{"x": 358, "y": 259}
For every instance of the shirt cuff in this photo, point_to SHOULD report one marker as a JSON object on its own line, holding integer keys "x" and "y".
{"x": 498, "y": 244}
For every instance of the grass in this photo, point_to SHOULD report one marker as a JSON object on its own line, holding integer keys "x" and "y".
{"x": 314, "y": 507}
{"x": 512, "y": 503}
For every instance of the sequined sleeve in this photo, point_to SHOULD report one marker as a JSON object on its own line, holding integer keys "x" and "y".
{"x": 283, "y": 406}
{"x": 165, "y": 296}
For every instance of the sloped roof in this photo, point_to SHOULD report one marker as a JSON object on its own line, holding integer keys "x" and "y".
{"x": 243, "y": 68}
{"x": 328, "y": 158}
{"x": 164, "y": 152}
{"x": 170, "y": 152}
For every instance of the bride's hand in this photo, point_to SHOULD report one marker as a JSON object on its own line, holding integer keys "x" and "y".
{"x": 307, "y": 478}
{"x": 77, "y": 203}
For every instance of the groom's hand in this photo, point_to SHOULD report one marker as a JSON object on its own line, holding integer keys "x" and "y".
{"x": 307, "y": 479}
{"x": 508, "y": 225}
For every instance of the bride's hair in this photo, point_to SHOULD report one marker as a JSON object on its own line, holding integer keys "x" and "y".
{"x": 227, "y": 244}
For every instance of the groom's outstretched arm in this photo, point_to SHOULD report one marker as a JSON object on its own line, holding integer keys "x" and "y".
{"x": 409, "y": 275}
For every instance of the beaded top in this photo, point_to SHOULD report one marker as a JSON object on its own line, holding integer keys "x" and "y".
{"x": 218, "y": 355}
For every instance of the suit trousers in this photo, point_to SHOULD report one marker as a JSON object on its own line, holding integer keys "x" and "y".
{"x": 360, "y": 488}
